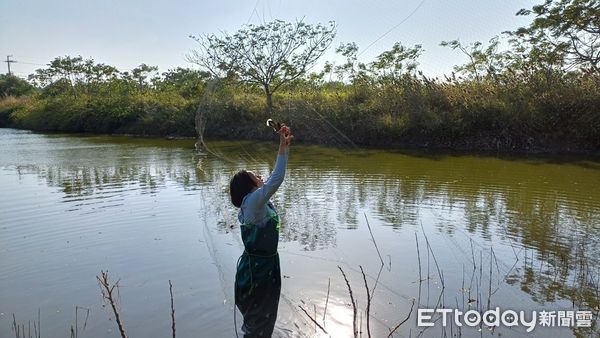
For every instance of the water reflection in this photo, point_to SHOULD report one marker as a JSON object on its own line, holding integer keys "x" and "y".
{"x": 547, "y": 214}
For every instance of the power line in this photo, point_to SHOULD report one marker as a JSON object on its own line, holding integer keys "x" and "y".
{"x": 253, "y": 11}
{"x": 391, "y": 29}
{"x": 30, "y": 63}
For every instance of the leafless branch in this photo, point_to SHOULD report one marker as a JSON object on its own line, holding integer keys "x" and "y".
{"x": 108, "y": 295}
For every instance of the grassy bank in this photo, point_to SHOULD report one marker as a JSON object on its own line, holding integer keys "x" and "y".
{"x": 408, "y": 112}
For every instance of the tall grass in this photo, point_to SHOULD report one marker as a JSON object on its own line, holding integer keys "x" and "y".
{"x": 520, "y": 114}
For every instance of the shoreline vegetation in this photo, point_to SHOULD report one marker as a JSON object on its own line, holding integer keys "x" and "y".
{"x": 539, "y": 95}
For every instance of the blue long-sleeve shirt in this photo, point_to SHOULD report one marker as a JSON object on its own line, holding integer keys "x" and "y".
{"x": 254, "y": 209}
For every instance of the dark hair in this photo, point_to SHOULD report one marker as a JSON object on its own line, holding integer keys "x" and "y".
{"x": 240, "y": 185}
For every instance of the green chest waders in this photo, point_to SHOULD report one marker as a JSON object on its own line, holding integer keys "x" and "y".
{"x": 258, "y": 277}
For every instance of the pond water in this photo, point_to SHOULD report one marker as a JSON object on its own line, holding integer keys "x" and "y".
{"x": 519, "y": 233}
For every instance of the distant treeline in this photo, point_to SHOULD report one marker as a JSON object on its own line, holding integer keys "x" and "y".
{"x": 530, "y": 97}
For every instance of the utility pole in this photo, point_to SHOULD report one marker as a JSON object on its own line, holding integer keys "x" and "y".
{"x": 9, "y": 61}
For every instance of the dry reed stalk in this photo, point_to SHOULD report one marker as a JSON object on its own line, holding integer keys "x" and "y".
{"x": 172, "y": 309}
{"x": 404, "y": 321}
{"x": 419, "y": 258}
{"x": 420, "y": 273}
{"x": 16, "y": 327}
{"x": 376, "y": 281}
{"x": 326, "y": 300}
{"x": 490, "y": 280}
{"x": 20, "y": 331}
{"x": 313, "y": 320}
{"x": 368, "y": 302}
{"x": 353, "y": 302}
{"x": 373, "y": 238}
{"x": 480, "y": 290}
{"x": 75, "y": 330}
{"x": 433, "y": 255}
{"x": 315, "y": 312}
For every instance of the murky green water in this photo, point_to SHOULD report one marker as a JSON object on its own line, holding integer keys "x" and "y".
{"x": 516, "y": 233}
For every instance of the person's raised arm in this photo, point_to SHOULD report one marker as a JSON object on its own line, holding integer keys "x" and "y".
{"x": 264, "y": 193}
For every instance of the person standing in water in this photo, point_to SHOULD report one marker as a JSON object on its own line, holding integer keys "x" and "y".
{"x": 258, "y": 275}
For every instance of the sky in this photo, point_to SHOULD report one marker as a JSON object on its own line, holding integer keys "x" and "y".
{"x": 126, "y": 34}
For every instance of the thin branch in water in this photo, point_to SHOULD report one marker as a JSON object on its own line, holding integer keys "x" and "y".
{"x": 496, "y": 261}
{"x": 76, "y": 322}
{"x": 420, "y": 273}
{"x": 433, "y": 255}
{"x": 326, "y": 300}
{"x": 368, "y": 302}
{"x": 313, "y": 320}
{"x": 459, "y": 327}
{"x": 107, "y": 294}
{"x": 376, "y": 281}
{"x": 39, "y": 326}
{"x": 353, "y": 302}
{"x": 172, "y": 309}
{"x": 87, "y": 315}
{"x": 404, "y": 321}
{"x": 473, "y": 254}
{"x": 75, "y": 330}
{"x": 315, "y": 312}
{"x": 480, "y": 291}
{"x": 462, "y": 290}
{"x": 490, "y": 280}
{"x": 373, "y": 238}
{"x": 16, "y": 327}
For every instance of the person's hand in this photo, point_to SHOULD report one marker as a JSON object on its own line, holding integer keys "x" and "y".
{"x": 285, "y": 135}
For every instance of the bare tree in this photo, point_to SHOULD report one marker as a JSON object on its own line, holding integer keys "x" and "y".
{"x": 268, "y": 55}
